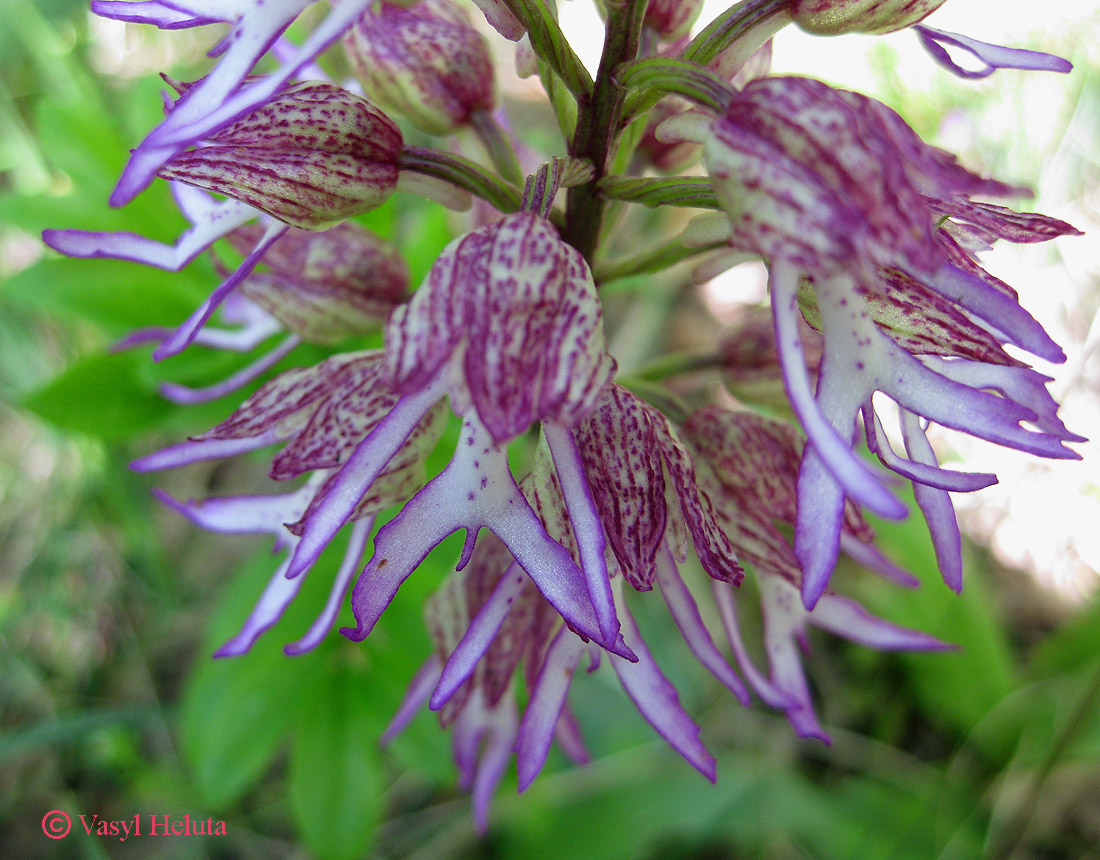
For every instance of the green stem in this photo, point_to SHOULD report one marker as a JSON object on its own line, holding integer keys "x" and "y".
{"x": 463, "y": 173}
{"x": 651, "y": 260}
{"x": 676, "y": 363}
{"x": 599, "y": 122}
{"x": 733, "y": 24}
{"x": 549, "y": 42}
{"x": 693, "y": 191}
{"x": 497, "y": 145}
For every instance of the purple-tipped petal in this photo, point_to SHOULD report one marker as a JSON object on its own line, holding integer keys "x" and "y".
{"x": 657, "y": 701}
{"x": 922, "y": 472}
{"x": 847, "y": 618}
{"x": 502, "y": 730}
{"x": 186, "y": 333}
{"x": 357, "y": 543}
{"x": 685, "y": 613}
{"x": 992, "y": 56}
{"x": 479, "y": 635}
{"x": 1021, "y": 384}
{"x": 872, "y": 558}
{"x": 818, "y": 525}
{"x": 186, "y": 395}
{"x": 476, "y": 489}
{"x": 587, "y": 527}
{"x": 772, "y": 695}
{"x": 359, "y": 472}
{"x": 415, "y": 696}
{"x": 276, "y": 597}
{"x": 166, "y": 16}
{"x": 218, "y": 219}
{"x": 852, "y": 472}
{"x": 1003, "y": 313}
{"x": 536, "y": 730}
{"x": 935, "y": 505}
{"x": 244, "y": 514}
{"x": 186, "y": 453}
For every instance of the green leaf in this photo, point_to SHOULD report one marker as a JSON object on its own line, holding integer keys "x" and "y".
{"x": 237, "y": 711}
{"x": 102, "y": 395}
{"x": 115, "y": 294}
{"x": 335, "y": 779}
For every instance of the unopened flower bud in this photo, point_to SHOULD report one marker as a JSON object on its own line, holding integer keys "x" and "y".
{"x": 425, "y": 62}
{"x": 672, "y": 19}
{"x": 835, "y": 17}
{"x": 312, "y": 156}
{"x": 326, "y": 286}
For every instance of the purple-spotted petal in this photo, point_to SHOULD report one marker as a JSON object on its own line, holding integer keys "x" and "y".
{"x": 515, "y": 309}
{"x": 312, "y": 156}
{"x": 623, "y": 465}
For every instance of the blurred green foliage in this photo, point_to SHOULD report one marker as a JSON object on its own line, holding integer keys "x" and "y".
{"x": 110, "y": 609}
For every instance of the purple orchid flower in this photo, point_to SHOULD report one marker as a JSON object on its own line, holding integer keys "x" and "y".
{"x": 310, "y": 157}
{"x": 507, "y": 324}
{"x": 494, "y": 605}
{"x": 841, "y": 196}
{"x": 320, "y": 412}
{"x": 224, "y": 95}
{"x": 748, "y": 466}
{"x": 642, "y": 487}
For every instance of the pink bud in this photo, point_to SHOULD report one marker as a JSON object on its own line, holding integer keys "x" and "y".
{"x": 326, "y": 286}
{"x": 672, "y": 19}
{"x": 425, "y": 62}
{"x": 312, "y": 156}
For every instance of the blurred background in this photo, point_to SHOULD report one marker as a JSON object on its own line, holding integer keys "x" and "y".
{"x": 110, "y": 605}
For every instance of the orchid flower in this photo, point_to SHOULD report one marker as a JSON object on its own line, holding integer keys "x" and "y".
{"x": 834, "y": 17}
{"x": 310, "y": 157}
{"x": 839, "y": 194}
{"x": 748, "y": 466}
{"x": 320, "y": 413}
{"x": 223, "y": 96}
